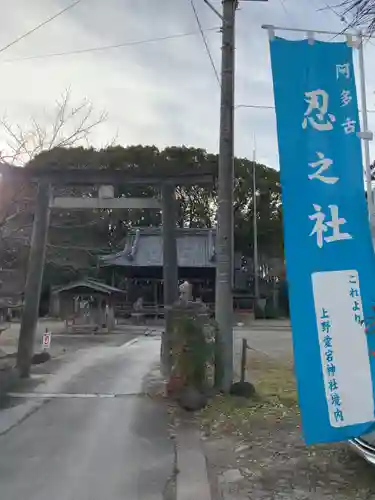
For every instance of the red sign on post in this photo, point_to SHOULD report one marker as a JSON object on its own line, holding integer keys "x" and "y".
{"x": 46, "y": 341}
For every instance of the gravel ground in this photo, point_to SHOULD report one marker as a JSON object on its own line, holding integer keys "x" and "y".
{"x": 255, "y": 449}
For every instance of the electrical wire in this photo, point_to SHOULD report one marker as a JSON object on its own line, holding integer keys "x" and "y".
{"x": 41, "y": 25}
{"x": 256, "y": 106}
{"x": 210, "y": 6}
{"x": 259, "y": 106}
{"x": 212, "y": 62}
{"x": 108, "y": 47}
{"x": 282, "y": 2}
{"x": 290, "y": 15}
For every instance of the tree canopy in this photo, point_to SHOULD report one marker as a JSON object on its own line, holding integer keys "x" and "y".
{"x": 78, "y": 237}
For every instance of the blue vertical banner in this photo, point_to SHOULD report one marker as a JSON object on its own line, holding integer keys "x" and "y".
{"x": 329, "y": 255}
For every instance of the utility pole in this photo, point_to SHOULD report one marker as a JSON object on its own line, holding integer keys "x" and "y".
{"x": 365, "y": 134}
{"x": 224, "y": 235}
{"x": 170, "y": 268}
{"x": 255, "y": 229}
{"x": 225, "y": 222}
{"x": 34, "y": 280}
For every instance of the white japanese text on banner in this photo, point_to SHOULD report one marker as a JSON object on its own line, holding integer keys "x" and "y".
{"x": 329, "y": 255}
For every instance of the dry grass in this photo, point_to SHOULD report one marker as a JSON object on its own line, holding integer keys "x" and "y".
{"x": 273, "y": 378}
{"x": 274, "y": 461}
{"x": 276, "y": 398}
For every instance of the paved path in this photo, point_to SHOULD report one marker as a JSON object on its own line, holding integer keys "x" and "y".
{"x": 96, "y": 437}
{"x": 271, "y": 337}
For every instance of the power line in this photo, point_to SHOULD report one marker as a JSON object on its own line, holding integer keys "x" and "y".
{"x": 287, "y": 11}
{"x": 47, "y": 21}
{"x": 256, "y": 106}
{"x": 108, "y": 47}
{"x": 212, "y": 62}
{"x": 284, "y": 8}
{"x": 209, "y": 5}
{"x": 259, "y": 106}
{"x": 290, "y": 15}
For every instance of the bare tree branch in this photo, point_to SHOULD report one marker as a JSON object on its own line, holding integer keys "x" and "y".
{"x": 362, "y": 13}
{"x": 71, "y": 125}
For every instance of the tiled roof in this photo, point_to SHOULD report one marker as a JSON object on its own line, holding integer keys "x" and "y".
{"x": 90, "y": 284}
{"x": 144, "y": 248}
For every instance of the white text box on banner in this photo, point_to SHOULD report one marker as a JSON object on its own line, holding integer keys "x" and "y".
{"x": 326, "y": 233}
{"x": 343, "y": 347}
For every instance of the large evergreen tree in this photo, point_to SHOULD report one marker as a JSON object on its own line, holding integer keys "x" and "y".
{"x": 77, "y": 237}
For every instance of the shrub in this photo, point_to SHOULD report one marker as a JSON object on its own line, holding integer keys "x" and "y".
{"x": 192, "y": 345}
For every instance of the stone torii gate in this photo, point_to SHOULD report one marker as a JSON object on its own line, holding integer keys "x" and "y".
{"x": 49, "y": 177}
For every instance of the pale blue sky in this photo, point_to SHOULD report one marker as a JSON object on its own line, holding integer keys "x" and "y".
{"x": 162, "y": 93}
